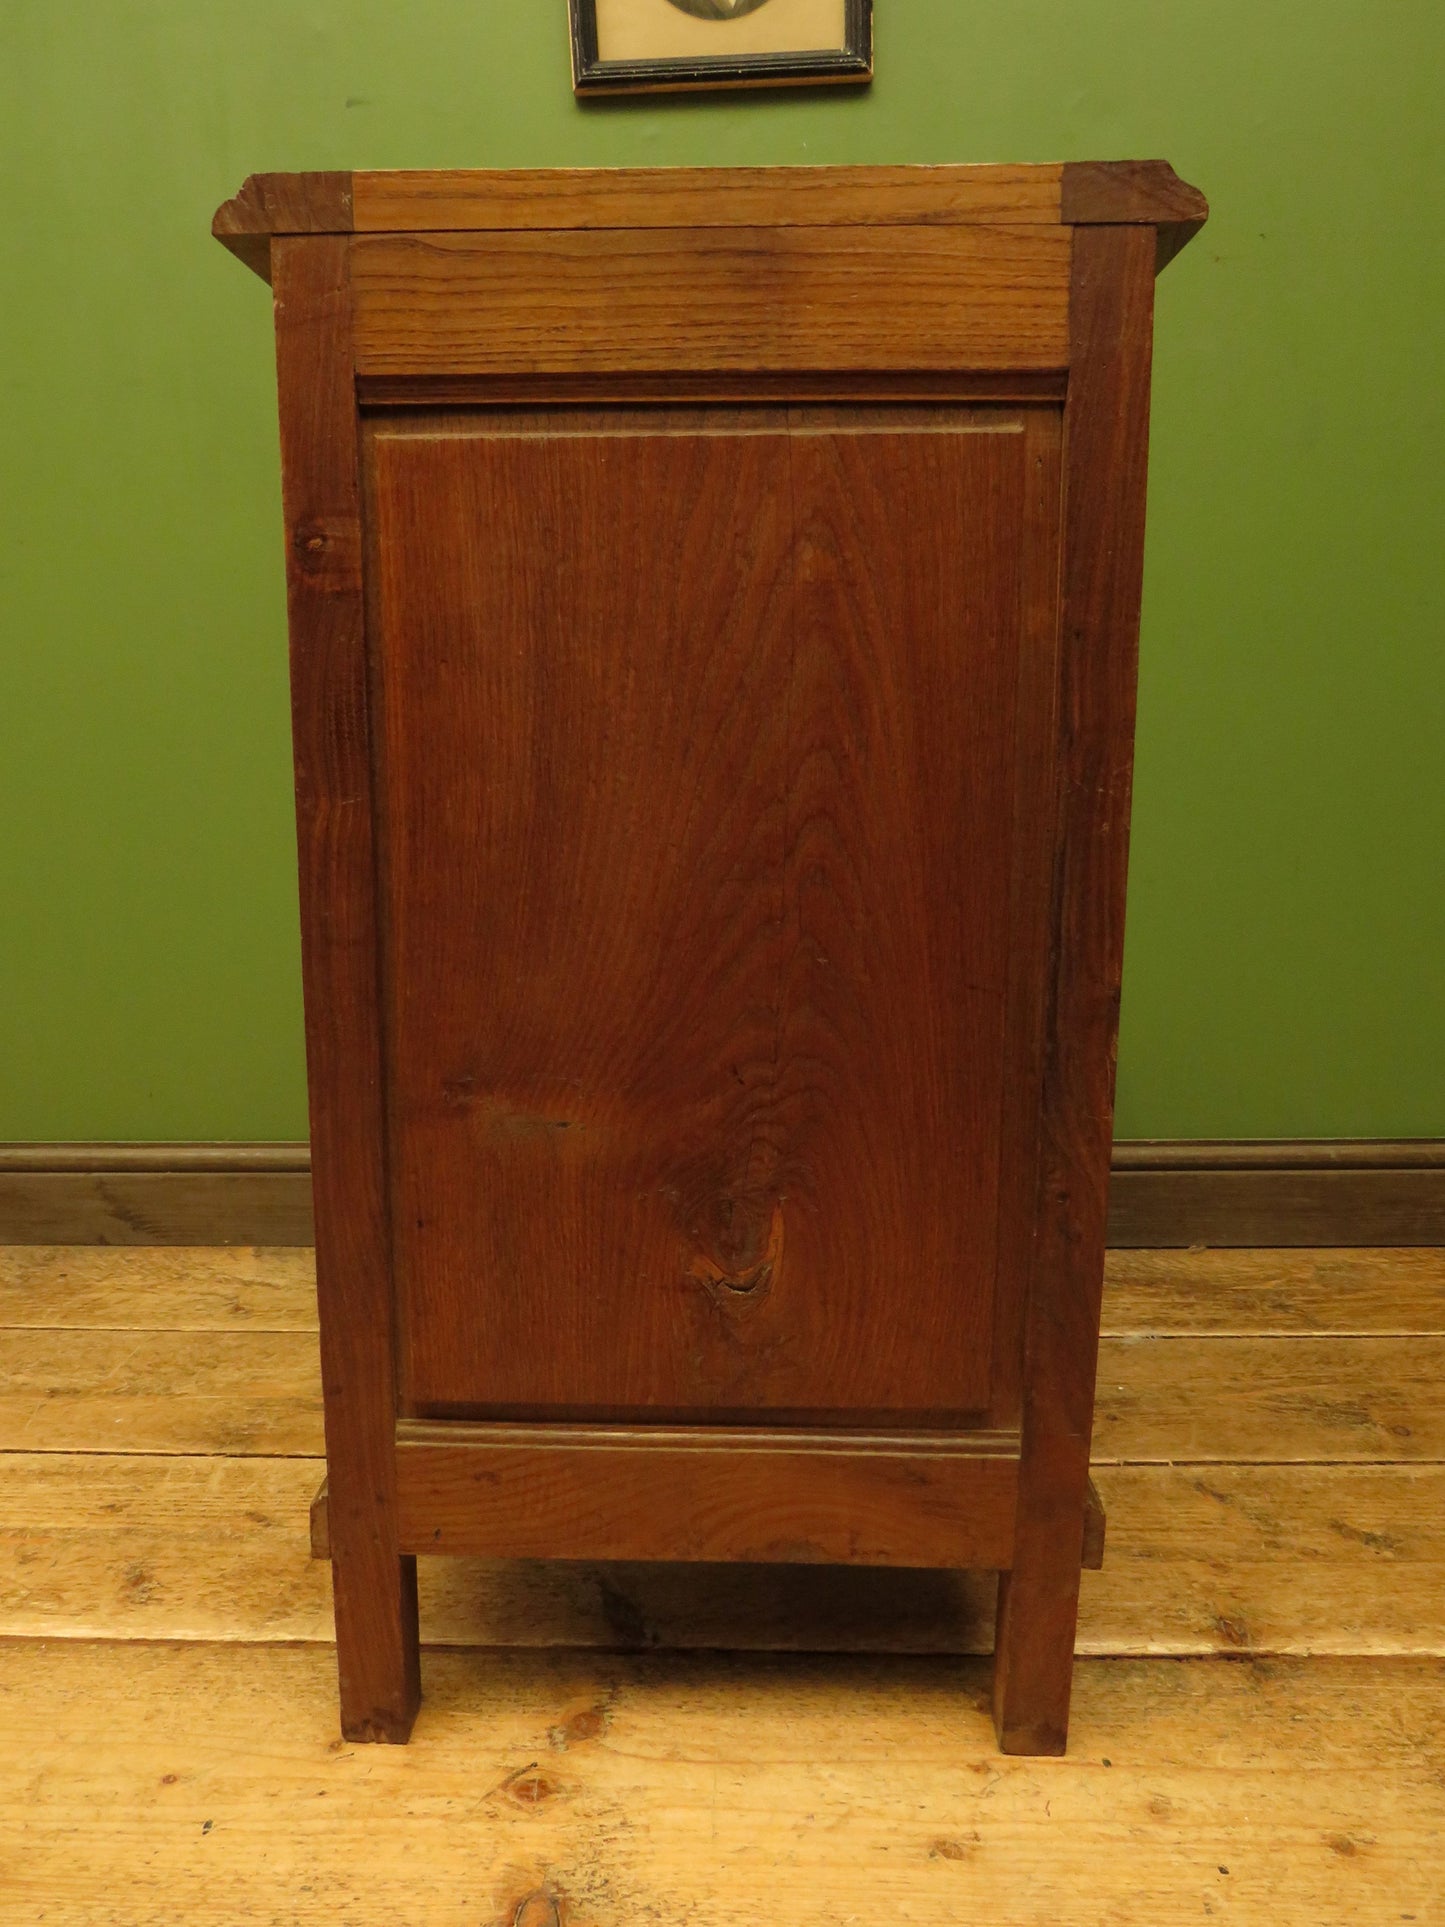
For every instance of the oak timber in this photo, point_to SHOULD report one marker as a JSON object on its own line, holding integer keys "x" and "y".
{"x": 1095, "y": 1527}
{"x": 708, "y": 1493}
{"x": 433, "y": 199}
{"x": 653, "y": 300}
{"x": 422, "y": 200}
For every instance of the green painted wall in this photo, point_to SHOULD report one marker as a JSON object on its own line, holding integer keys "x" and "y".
{"x": 1288, "y": 915}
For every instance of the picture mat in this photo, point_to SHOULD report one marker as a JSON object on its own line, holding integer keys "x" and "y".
{"x": 657, "y": 30}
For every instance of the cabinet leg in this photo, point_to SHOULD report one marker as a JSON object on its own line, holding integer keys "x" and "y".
{"x": 1033, "y": 1667}
{"x": 378, "y": 1652}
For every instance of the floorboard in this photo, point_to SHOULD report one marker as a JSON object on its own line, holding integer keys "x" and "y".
{"x": 1273, "y": 1293}
{"x": 202, "y": 1784}
{"x": 150, "y": 1288}
{"x": 224, "y": 1392}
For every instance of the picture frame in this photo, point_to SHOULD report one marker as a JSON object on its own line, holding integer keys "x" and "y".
{"x": 663, "y": 46}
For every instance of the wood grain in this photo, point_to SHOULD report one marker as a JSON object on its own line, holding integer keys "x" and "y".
{"x": 113, "y": 1546}
{"x": 1274, "y": 1293}
{"x": 708, "y": 1493}
{"x": 750, "y": 803}
{"x": 497, "y": 200}
{"x": 420, "y": 199}
{"x": 709, "y": 299}
{"x": 157, "y": 1391}
{"x": 1298, "y": 1398}
{"x": 552, "y": 1787}
{"x": 1106, "y": 425}
{"x": 175, "y": 1289}
{"x": 186, "y": 1206}
{"x": 331, "y": 737}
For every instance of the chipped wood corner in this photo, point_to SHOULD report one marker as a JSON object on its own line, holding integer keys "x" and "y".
{"x": 321, "y": 1524}
{"x": 1134, "y": 193}
{"x": 1095, "y": 1526}
{"x": 272, "y": 204}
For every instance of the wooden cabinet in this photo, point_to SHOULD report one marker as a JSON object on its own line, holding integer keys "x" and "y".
{"x": 714, "y": 604}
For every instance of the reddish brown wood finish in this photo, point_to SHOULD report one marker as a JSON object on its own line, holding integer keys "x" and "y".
{"x": 1106, "y": 431}
{"x": 712, "y": 950}
{"x": 376, "y": 1624}
{"x": 491, "y": 200}
{"x": 703, "y": 1493}
{"x": 270, "y": 205}
{"x": 1034, "y": 805}
{"x": 755, "y": 801}
{"x": 1147, "y": 193}
{"x": 1095, "y": 1526}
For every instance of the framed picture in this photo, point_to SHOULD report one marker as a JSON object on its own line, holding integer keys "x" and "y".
{"x": 650, "y": 46}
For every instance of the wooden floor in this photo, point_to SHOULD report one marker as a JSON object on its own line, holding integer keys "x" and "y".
{"x": 1259, "y": 1728}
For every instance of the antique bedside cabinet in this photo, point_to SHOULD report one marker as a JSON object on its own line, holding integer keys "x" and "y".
{"x": 714, "y": 607}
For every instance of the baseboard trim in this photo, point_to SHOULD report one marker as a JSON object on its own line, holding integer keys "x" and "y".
{"x": 1274, "y": 1191}
{"x": 155, "y": 1194}
{"x": 1278, "y": 1191}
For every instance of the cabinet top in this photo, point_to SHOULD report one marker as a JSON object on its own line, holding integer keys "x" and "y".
{"x": 431, "y": 200}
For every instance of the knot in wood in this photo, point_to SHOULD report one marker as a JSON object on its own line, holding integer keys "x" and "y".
{"x": 310, "y": 541}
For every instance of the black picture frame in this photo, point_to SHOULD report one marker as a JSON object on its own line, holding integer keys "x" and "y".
{"x": 592, "y": 75}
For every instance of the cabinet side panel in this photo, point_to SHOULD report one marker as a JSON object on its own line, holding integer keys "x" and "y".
{"x": 699, "y": 775}
{"x": 375, "y": 1587}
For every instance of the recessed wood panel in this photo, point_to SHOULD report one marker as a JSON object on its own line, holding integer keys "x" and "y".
{"x": 715, "y": 299}
{"x": 698, "y": 798}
